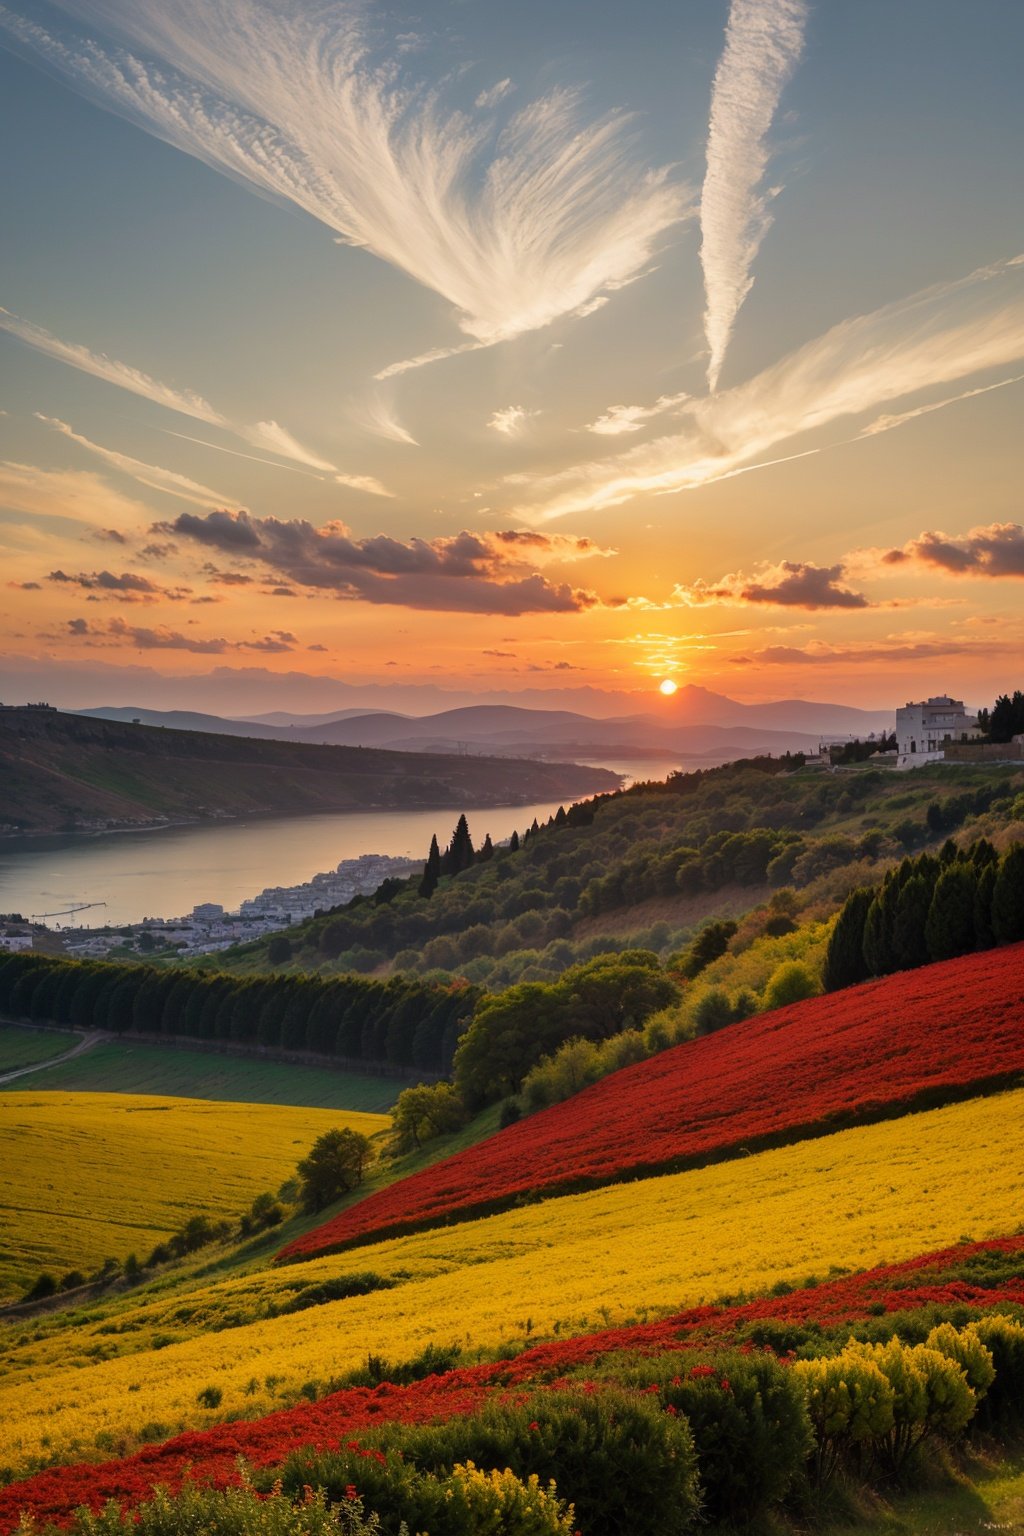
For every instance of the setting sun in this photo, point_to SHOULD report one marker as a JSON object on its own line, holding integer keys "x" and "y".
{"x": 667, "y": 687}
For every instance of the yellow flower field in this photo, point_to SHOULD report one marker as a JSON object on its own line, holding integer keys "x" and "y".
{"x": 860, "y": 1197}
{"x": 87, "y": 1176}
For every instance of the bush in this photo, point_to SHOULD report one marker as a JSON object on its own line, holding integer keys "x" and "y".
{"x": 230, "y": 1512}
{"x": 335, "y": 1165}
{"x": 625, "y": 1464}
{"x": 930, "y": 1396}
{"x": 749, "y": 1423}
{"x": 1003, "y": 1406}
{"x": 965, "y": 1348}
{"x": 44, "y": 1286}
{"x": 791, "y": 983}
{"x": 850, "y": 1404}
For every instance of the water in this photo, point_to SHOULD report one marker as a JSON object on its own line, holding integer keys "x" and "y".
{"x": 166, "y": 873}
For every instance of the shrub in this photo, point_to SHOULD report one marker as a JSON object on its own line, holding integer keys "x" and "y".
{"x": 229, "y": 1512}
{"x": 850, "y": 1404}
{"x": 970, "y": 1354}
{"x": 1004, "y": 1339}
{"x": 930, "y": 1396}
{"x": 749, "y": 1423}
{"x": 335, "y": 1165}
{"x": 791, "y": 983}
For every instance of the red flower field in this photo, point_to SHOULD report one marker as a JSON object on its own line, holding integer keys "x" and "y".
{"x": 915, "y": 1038}
{"x": 211, "y": 1455}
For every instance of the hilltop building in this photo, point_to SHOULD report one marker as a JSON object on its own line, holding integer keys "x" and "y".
{"x": 924, "y": 730}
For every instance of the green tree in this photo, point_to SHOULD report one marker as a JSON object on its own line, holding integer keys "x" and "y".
{"x": 431, "y": 870}
{"x": 1008, "y": 897}
{"x": 422, "y": 1113}
{"x": 844, "y": 958}
{"x": 709, "y": 945}
{"x": 337, "y": 1163}
{"x": 279, "y": 950}
{"x": 910, "y": 946}
{"x": 791, "y": 982}
{"x": 949, "y": 930}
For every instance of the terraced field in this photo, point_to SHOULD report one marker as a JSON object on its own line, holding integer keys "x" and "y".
{"x": 89, "y": 1176}
{"x": 847, "y": 1201}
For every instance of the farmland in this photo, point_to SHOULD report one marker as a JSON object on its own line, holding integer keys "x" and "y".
{"x": 852, "y": 1053}
{"x": 878, "y": 1193}
{"x": 25, "y": 1047}
{"x": 92, "y": 1176}
{"x": 140, "y": 1068}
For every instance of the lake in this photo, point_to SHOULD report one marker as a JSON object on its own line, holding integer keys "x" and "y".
{"x": 166, "y": 873}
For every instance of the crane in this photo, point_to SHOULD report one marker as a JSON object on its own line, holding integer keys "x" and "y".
{"x": 66, "y": 911}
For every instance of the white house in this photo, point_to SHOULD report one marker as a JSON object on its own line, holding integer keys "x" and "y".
{"x": 924, "y": 730}
{"x": 15, "y": 942}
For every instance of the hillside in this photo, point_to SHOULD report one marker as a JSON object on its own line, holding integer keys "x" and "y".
{"x": 70, "y": 773}
{"x": 852, "y": 1055}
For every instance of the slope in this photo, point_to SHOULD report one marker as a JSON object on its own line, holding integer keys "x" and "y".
{"x": 851, "y": 1055}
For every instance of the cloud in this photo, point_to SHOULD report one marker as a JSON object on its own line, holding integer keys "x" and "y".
{"x": 377, "y": 415}
{"x": 263, "y": 434}
{"x": 185, "y": 401}
{"x": 941, "y": 334}
{"x": 996, "y": 550}
{"x": 115, "y": 633}
{"x": 790, "y": 584}
{"x": 891, "y": 650}
{"x": 887, "y": 423}
{"x": 467, "y": 572}
{"x": 150, "y": 475}
{"x": 80, "y": 495}
{"x": 512, "y": 420}
{"x": 128, "y": 587}
{"x": 496, "y": 93}
{"x": 619, "y": 419}
{"x": 514, "y": 224}
{"x": 763, "y": 43}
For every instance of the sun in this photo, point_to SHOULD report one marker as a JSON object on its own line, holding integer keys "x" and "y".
{"x": 667, "y": 687}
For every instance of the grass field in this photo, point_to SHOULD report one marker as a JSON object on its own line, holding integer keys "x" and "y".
{"x": 24, "y": 1047}
{"x": 92, "y": 1176}
{"x": 130, "y": 1067}
{"x": 848, "y": 1201}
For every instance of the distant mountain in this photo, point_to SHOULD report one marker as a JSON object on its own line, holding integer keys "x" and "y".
{"x": 694, "y": 725}
{"x": 64, "y": 772}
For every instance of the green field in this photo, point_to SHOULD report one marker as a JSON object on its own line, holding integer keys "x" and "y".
{"x": 24, "y": 1047}
{"x": 123, "y": 1067}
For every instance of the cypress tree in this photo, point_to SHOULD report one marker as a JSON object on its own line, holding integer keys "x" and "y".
{"x": 949, "y": 930}
{"x": 984, "y": 934}
{"x": 913, "y": 904}
{"x": 844, "y": 957}
{"x": 513, "y": 842}
{"x": 879, "y": 954}
{"x": 459, "y": 853}
{"x": 431, "y": 870}
{"x": 1008, "y": 897}
{"x": 486, "y": 851}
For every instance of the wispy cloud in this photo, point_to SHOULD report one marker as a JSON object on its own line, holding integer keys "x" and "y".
{"x": 151, "y": 475}
{"x": 512, "y": 420}
{"x": 116, "y": 634}
{"x": 494, "y": 94}
{"x": 464, "y": 572}
{"x": 937, "y": 336}
{"x": 763, "y": 42}
{"x": 378, "y": 416}
{"x": 888, "y": 422}
{"x": 123, "y": 375}
{"x": 269, "y": 435}
{"x": 71, "y": 495}
{"x": 515, "y": 223}
{"x": 620, "y": 419}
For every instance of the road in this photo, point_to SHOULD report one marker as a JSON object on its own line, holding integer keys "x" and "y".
{"x": 86, "y": 1043}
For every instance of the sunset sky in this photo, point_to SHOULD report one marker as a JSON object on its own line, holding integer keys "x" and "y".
{"x": 490, "y": 349}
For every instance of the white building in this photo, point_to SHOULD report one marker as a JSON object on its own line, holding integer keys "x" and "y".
{"x": 924, "y": 730}
{"x": 15, "y": 942}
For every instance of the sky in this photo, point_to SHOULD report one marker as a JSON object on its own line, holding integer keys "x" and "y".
{"x": 368, "y": 353}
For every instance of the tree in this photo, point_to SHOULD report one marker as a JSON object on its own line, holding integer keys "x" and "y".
{"x": 790, "y": 983}
{"x": 279, "y": 950}
{"x": 337, "y": 1163}
{"x": 910, "y": 946}
{"x": 459, "y": 854}
{"x": 513, "y": 842}
{"x": 710, "y": 944}
{"x": 431, "y": 870}
{"x": 424, "y": 1112}
{"x": 1008, "y": 897}
{"x": 949, "y": 930}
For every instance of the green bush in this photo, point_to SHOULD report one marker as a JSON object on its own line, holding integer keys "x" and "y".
{"x": 850, "y": 1404}
{"x": 1003, "y": 1406}
{"x": 626, "y": 1465}
{"x": 931, "y": 1396}
{"x": 791, "y": 983}
{"x": 749, "y": 1423}
{"x": 231, "y": 1512}
{"x": 964, "y": 1346}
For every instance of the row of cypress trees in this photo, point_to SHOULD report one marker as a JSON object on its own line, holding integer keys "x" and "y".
{"x": 929, "y": 908}
{"x": 400, "y": 1023}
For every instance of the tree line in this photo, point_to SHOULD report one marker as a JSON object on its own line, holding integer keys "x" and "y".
{"x": 929, "y": 908}
{"x": 401, "y": 1023}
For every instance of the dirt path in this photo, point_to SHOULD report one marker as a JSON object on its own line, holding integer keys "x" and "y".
{"x": 86, "y": 1043}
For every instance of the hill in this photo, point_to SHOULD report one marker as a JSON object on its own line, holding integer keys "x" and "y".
{"x": 70, "y": 773}
{"x": 88, "y": 1176}
{"x": 856, "y": 1054}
